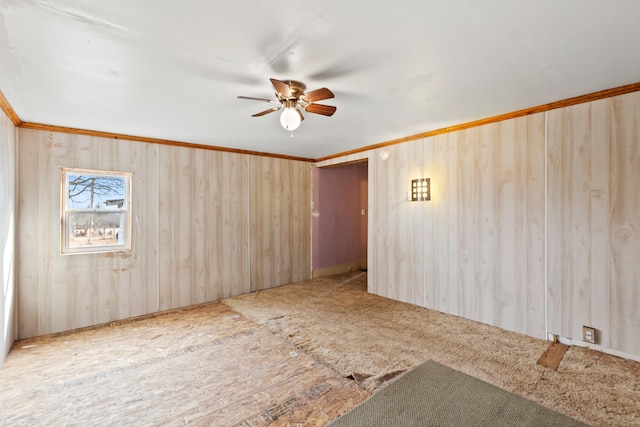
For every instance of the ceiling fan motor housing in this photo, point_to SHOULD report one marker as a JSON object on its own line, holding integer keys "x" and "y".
{"x": 292, "y": 97}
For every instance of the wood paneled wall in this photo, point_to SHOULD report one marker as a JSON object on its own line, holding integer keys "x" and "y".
{"x": 480, "y": 248}
{"x": 476, "y": 249}
{"x": 203, "y": 232}
{"x": 396, "y": 234}
{"x": 56, "y": 292}
{"x": 211, "y": 224}
{"x": 594, "y": 221}
{"x": 280, "y": 221}
{"x": 192, "y": 237}
{"x": 7, "y": 234}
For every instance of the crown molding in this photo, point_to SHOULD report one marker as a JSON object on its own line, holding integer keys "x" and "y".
{"x": 9, "y": 111}
{"x": 594, "y": 96}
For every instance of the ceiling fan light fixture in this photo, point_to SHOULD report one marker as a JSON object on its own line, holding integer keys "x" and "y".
{"x": 290, "y": 119}
{"x": 293, "y": 99}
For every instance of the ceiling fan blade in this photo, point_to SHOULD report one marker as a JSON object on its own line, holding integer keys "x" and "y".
{"x": 258, "y": 99}
{"x": 325, "y": 110}
{"x": 282, "y": 88}
{"x": 317, "y": 95}
{"x": 262, "y": 113}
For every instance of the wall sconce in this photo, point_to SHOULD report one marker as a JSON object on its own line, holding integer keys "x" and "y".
{"x": 420, "y": 189}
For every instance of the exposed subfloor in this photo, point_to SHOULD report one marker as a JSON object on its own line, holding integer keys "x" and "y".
{"x": 297, "y": 355}
{"x": 203, "y": 366}
{"x": 374, "y": 339}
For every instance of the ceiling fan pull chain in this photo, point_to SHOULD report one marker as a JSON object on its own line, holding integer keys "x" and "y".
{"x": 291, "y": 137}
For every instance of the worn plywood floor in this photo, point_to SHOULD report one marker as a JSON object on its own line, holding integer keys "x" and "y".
{"x": 373, "y": 339}
{"x": 204, "y": 366}
{"x": 298, "y": 355}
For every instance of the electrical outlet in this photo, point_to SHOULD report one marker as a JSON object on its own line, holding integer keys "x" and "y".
{"x": 589, "y": 334}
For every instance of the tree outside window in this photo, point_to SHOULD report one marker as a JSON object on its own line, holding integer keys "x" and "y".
{"x": 95, "y": 211}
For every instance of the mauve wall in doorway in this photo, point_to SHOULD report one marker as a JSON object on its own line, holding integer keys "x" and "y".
{"x": 339, "y": 227}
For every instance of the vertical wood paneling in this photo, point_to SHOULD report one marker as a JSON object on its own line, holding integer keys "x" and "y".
{"x": 197, "y": 252}
{"x": 64, "y": 292}
{"x": 230, "y": 253}
{"x": 280, "y": 221}
{"x": 624, "y": 116}
{"x": 39, "y": 237}
{"x": 190, "y": 229}
{"x": 477, "y": 211}
{"x": 7, "y": 234}
{"x": 378, "y": 175}
{"x": 449, "y": 215}
{"x": 176, "y": 219}
{"x": 436, "y": 250}
{"x": 477, "y": 223}
{"x": 486, "y": 191}
{"x": 466, "y": 225}
{"x": 510, "y": 204}
{"x": 407, "y": 224}
{"x": 300, "y": 235}
{"x": 429, "y": 297}
{"x": 465, "y": 252}
{"x": 209, "y": 225}
{"x": 263, "y": 191}
{"x": 398, "y": 224}
{"x": 530, "y": 285}
{"x": 520, "y": 224}
{"x": 599, "y": 170}
{"x": 594, "y": 204}
{"x": 569, "y": 221}
{"x": 203, "y": 226}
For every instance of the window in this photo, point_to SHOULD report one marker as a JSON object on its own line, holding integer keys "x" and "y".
{"x": 95, "y": 211}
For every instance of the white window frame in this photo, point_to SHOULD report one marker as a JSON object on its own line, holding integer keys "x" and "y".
{"x": 94, "y": 244}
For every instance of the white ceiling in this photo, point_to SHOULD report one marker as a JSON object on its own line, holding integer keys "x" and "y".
{"x": 172, "y": 69}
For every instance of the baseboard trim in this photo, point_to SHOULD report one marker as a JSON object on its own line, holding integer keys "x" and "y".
{"x": 337, "y": 269}
{"x": 595, "y": 347}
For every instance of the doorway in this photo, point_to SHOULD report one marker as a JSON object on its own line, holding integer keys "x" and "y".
{"x": 339, "y": 219}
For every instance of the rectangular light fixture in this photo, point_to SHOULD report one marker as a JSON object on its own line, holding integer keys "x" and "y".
{"x": 420, "y": 189}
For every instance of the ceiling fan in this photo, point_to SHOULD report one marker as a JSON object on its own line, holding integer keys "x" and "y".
{"x": 293, "y": 98}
